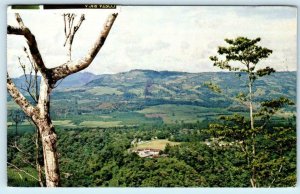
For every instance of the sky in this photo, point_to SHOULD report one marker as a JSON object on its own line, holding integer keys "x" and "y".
{"x": 174, "y": 38}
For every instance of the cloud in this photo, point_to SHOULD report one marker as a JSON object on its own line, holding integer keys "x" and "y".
{"x": 271, "y": 12}
{"x": 162, "y": 37}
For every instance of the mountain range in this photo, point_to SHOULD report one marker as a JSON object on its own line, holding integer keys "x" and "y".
{"x": 137, "y": 97}
{"x": 170, "y": 87}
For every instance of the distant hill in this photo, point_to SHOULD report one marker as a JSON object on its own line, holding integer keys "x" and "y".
{"x": 147, "y": 97}
{"x": 77, "y": 79}
{"x": 137, "y": 89}
{"x": 133, "y": 76}
{"x": 173, "y": 84}
{"x": 74, "y": 80}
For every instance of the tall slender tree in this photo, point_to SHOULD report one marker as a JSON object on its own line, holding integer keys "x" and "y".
{"x": 243, "y": 55}
{"x": 248, "y": 54}
{"x": 40, "y": 113}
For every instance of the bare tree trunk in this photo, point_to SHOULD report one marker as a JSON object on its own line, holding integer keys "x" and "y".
{"x": 250, "y": 104}
{"x": 49, "y": 139}
{"x": 37, "y": 162}
{"x": 40, "y": 114}
{"x": 48, "y": 135}
{"x": 253, "y": 169}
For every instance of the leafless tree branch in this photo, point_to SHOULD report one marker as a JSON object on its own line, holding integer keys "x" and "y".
{"x": 70, "y": 31}
{"x": 19, "y": 98}
{"x": 78, "y": 65}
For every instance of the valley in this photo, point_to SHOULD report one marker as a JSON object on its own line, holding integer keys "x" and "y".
{"x": 154, "y": 128}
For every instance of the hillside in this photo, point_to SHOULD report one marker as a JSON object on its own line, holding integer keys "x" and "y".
{"x": 141, "y": 97}
{"x": 74, "y": 80}
{"x": 102, "y": 121}
{"x": 177, "y": 88}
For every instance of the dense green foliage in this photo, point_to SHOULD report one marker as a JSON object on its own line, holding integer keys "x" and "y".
{"x": 97, "y": 123}
{"x": 101, "y": 157}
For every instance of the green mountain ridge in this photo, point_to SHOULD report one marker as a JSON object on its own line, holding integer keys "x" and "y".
{"x": 137, "y": 89}
{"x": 164, "y": 96}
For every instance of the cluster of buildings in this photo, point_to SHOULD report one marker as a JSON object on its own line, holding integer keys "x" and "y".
{"x": 148, "y": 153}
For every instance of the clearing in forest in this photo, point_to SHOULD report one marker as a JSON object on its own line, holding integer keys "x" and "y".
{"x": 155, "y": 144}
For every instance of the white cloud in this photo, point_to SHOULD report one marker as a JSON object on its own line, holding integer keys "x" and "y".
{"x": 163, "y": 38}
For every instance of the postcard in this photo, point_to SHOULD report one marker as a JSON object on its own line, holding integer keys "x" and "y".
{"x": 105, "y": 95}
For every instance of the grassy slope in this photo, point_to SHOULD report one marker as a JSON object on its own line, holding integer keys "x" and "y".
{"x": 107, "y": 94}
{"x": 155, "y": 144}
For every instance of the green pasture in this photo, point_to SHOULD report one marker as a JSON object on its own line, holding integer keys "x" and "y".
{"x": 155, "y": 144}
{"x": 176, "y": 113}
{"x": 102, "y": 90}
